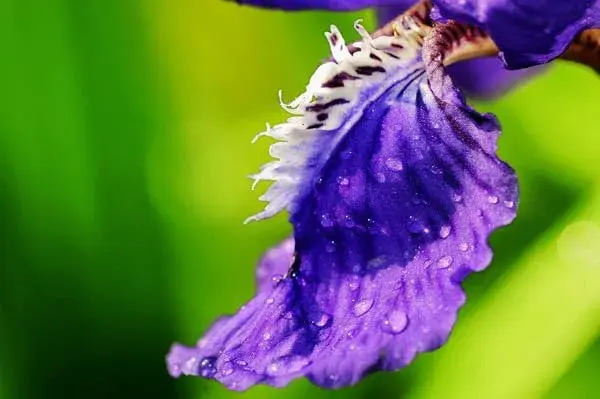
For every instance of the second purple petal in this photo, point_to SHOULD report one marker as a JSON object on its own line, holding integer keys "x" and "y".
{"x": 483, "y": 78}
{"x": 527, "y": 32}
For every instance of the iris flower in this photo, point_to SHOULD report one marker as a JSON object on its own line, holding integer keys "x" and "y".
{"x": 393, "y": 186}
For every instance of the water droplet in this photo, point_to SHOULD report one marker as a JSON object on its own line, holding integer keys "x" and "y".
{"x": 417, "y": 200}
{"x": 227, "y": 369}
{"x": 347, "y": 154}
{"x": 417, "y": 227}
{"x": 427, "y": 263}
{"x": 445, "y": 261}
{"x": 445, "y": 231}
{"x": 343, "y": 181}
{"x": 276, "y": 278}
{"x": 353, "y": 333}
{"x": 349, "y": 222}
{"x": 288, "y": 316}
{"x": 456, "y": 197}
{"x": 207, "y": 368}
{"x": 463, "y": 246}
{"x": 395, "y": 322}
{"x": 241, "y": 362}
{"x": 376, "y": 262}
{"x": 363, "y": 306}
{"x": 326, "y": 220}
{"x": 333, "y": 377}
{"x": 436, "y": 170}
{"x": 330, "y": 247}
{"x": 267, "y": 336}
{"x": 320, "y": 319}
{"x": 492, "y": 199}
{"x": 269, "y": 301}
{"x": 509, "y": 204}
{"x": 354, "y": 283}
{"x": 372, "y": 226}
{"x": 394, "y": 164}
{"x": 273, "y": 368}
{"x": 380, "y": 177}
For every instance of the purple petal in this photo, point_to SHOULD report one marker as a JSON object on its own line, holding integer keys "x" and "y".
{"x": 393, "y": 186}
{"x": 274, "y": 265}
{"x": 481, "y": 78}
{"x": 528, "y": 32}
{"x": 335, "y": 5}
{"x": 488, "y": 78}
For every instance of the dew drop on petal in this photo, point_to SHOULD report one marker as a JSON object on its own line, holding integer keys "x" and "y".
{"x": 326, "y": 220}
{"x": 363, "y": 306}
{"x": 380, "y": 177}
{"x": 276, "y": 278}
{"x": 320, "y": 319}
{"x": 445, "y": 261}
{"x": 241, "y": 362}
{"x": 445, "y": 231}
{"x": 207, "y": 368}
{"x": 492, "y": 199}
{"x": 456, "y": 197}
{"x": 349, "y": 222}
{"x": 415, "y": 226}
{"x": 269, "y": 301}
{"x": 347, "y": 154}
{"x": 395, "y": 322}
{"x": 227, "y": 369}
{"x": 354, "y": 283}
{"x": 509, "y": 204}
{"x": 372, "y": 226}
{"x": 436, "y": 170}
{"x": 267, "y": 336}
{"x": 273, "y": 368}
{"x": 330, "y": 247}
{"x": 376, "y": 262}
{"x": 343, "y": 181}
{"x": 463, "y": 246}
{"x": 394, "y": 164}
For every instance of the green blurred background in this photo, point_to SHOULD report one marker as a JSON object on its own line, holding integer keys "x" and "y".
{"x": 125, "y": 131}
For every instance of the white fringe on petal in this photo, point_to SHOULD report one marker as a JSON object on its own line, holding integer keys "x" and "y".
{"x": 335, "y": 97}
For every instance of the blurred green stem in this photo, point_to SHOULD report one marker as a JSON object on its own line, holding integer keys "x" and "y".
{"x": 534, "y": 324}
